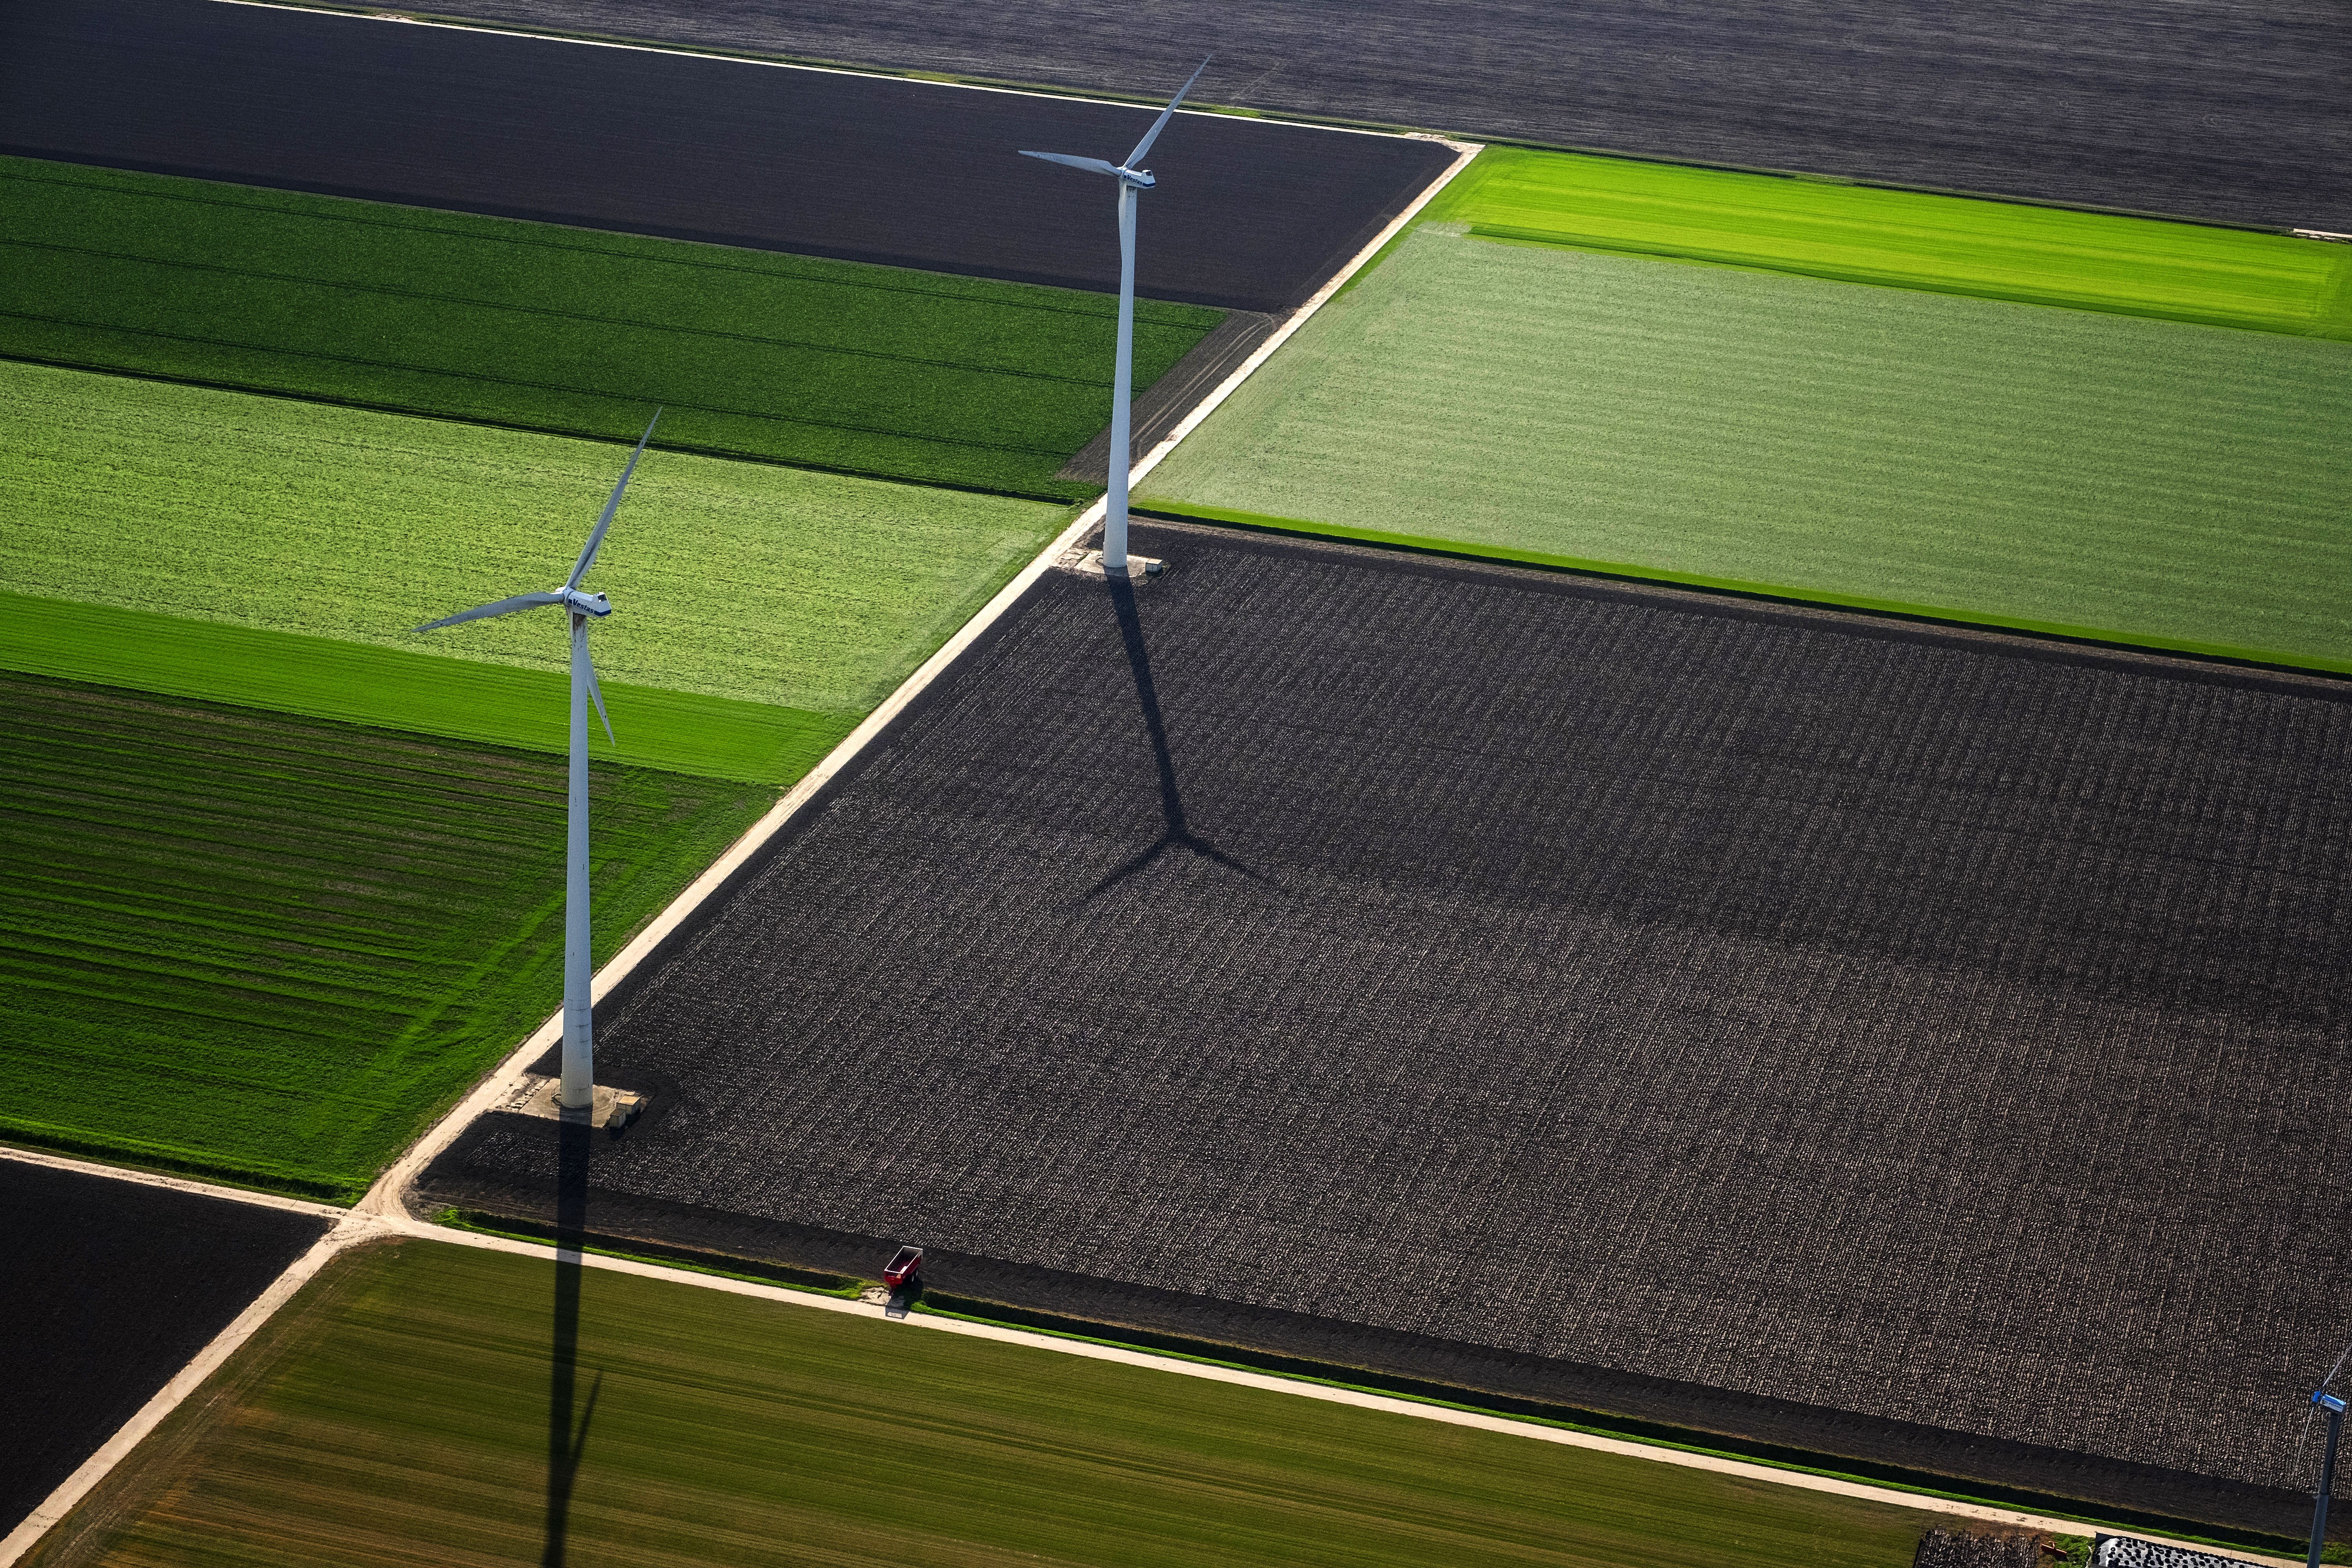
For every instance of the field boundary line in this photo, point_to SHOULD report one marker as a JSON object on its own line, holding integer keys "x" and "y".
{"x": 1463, "y": 151}
{"x": 1272, "y": 1382}
{"x": 54, "y": 1507}
{"x": 24, "y": 1156}
{"x": 871, "y": 75}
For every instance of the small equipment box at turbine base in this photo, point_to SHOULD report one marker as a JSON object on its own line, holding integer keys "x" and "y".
{"x": 902, "y": 1267}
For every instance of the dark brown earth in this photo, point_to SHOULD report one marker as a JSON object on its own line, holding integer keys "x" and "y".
{"x": 1939, "y": 1032}
{"x": 1248, "y": 215}
{"x": 110, "y": 1288}
{"x": 2211, "y": 109}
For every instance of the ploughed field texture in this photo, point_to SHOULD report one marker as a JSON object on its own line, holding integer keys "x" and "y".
{"x": 1906, "y": 239}
{"x": 399, "y": 1411}
{"x": 280, "y": 552}
{"x": 834, "y": 365}
{"x": 2203, "y": 109}
{"x": 1883, "y": 1019}
{"x": 272, "y": 949}
{"x": 2081, "y": 471}
{"x": 110, "y": 1288}
{"x": 1249, "y": 215}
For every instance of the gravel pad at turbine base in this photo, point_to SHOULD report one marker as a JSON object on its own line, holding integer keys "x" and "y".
{"x": 1247, "y": 215}
{"x": 110, "y": 1289}
{"x": 1915, "y": 1024}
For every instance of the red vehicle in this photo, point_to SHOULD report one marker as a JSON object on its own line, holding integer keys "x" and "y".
{"x": 902, "y": 1267}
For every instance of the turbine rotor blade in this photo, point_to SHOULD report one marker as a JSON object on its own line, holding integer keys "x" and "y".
{"x": 1093, "y": 165}
{"x": 596, "y": 695}
{"x": 588, "y": 550}
{"x": 500, "y": 608}
{"x": 1135, "y": 159}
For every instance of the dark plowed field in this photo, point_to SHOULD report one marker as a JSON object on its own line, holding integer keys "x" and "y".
{"x": 1927, "y": 1027}
{"x": 109, "y": 1287}
{"x": 1249, "y": 215}
{"x": 2205, "y": 108}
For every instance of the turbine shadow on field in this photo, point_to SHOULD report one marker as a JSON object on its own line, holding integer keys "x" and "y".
{"x": 1176, "y": 831}
{"x": 564, "y": 1438}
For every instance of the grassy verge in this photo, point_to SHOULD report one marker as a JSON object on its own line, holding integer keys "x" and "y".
{"x": 870, "y": 370}
{"x": 238, "y": 943}
{"x": 1906, "y": 239}
{"x": 742, "y": 580}
{"x": 2136, "y": 480}
{"x": 401, "y": 1412}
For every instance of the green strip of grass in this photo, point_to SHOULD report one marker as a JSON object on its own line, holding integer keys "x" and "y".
{"x": 864, "y": 369}
{"x": 1907, "y": 239}
{"x": 748, "y": 582}
{"x": 274, "y": 948}
{"x": 359, "y": 683}
{"x": 398, "y": 1409}
{"x": 2096, "y": 475}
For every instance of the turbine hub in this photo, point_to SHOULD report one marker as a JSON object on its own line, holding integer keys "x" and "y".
{"x": 581, "y": 603}
{"x": 1140, "y": 178}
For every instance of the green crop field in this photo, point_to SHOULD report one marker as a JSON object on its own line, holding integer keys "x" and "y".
{"x": 870, "y": 370}
{"x": 361, "y": 683}
{"x": 737, "y": 584}
{"x": 397, "y": 1412}
{"x": 274, "y": 949}
{"x": 1908, "y": 239}
{"x": 2153, "y": 481}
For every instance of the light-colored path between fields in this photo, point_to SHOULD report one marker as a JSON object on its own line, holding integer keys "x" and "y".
{"x": 359, "y": 1226}
{"x": 384, "y": 1213}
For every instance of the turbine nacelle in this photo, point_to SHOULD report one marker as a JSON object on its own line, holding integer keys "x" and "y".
{"x": 1127, "y": 173}
{"x": 588, "y": 607}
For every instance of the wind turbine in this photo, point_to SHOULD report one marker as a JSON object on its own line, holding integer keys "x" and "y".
{"x": 1131, "y": 179}
{"x": 578, "y": 1089}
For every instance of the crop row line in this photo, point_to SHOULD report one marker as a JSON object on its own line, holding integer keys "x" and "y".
{"x": 1100, "y": 382}
{"x": 1105, "y": 309}
{"x": 499, "y": 381}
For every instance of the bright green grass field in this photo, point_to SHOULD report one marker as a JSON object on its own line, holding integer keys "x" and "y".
{"x": 786, "y": 602}
{"x": 274, "y": 949}
{"x": 870, "y": 370}
{"x": 2168, "y": 484}
{"x": 1908, "y": 239}
{"x": 397, "y": 1411}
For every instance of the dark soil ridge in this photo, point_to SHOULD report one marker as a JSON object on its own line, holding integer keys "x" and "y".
{"x": 1115, "y": 94}
{"x": 1653, "y": 1410}
{"x": 2203, "y": 109}
{"x": 857, "y": 167}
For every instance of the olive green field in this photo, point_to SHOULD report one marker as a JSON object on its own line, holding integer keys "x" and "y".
{"x": 834, "y": 365}
{"x": 2077, "y": 471}
{"x": 398, "y": 1411}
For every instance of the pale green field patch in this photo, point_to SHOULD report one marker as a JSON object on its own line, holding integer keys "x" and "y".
{"x": 736, "y": 580}
{"x": 2153, "y": 481}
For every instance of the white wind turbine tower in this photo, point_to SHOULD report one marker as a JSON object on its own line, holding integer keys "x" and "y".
{"x": 578, "y": 1089}
{"x": 1131, "y": 179}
